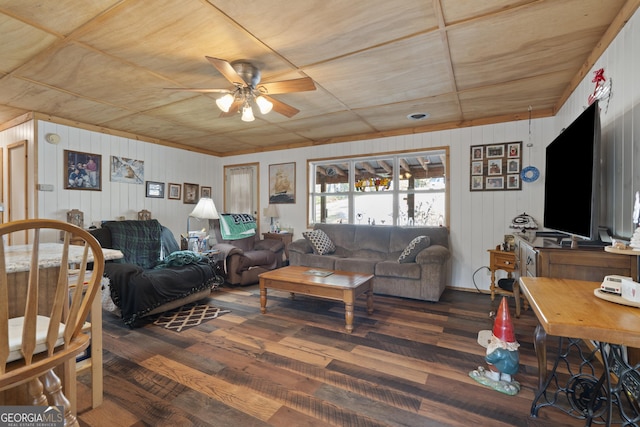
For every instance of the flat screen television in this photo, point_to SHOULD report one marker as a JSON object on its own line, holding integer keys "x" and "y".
{"x": 572, "y": 178}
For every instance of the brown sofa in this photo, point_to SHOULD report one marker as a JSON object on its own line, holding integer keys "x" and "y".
{"x": 245, "y": 259}
{"x": 375, "y": 249}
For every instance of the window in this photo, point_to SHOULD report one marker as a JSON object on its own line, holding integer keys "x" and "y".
{"x": 240, "y": 189}
{"x": 408, "y": 188}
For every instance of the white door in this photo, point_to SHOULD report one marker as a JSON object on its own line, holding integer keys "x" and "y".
{"x": 17, "y": 198}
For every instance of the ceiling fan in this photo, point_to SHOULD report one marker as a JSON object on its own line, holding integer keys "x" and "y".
{"x": 245, "y": 78}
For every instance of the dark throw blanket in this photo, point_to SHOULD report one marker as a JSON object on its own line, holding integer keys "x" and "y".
{"x": 137, "y": 291}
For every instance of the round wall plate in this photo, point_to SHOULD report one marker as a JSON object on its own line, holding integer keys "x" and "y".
{"x": 530, "y": 174}
{"x": 52, "y": 138}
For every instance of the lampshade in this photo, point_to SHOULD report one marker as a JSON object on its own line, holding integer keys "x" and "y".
{"x": 247, "y": 114}
{"x": 264, "y": 104}
{"x": 271, "y": 211}
{"x": 205, "y": 209}
{"x": 224, "y": 103}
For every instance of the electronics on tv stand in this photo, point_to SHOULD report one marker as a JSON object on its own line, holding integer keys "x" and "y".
{"x": 566, "y": 240}
{"x": 583, "y": 243}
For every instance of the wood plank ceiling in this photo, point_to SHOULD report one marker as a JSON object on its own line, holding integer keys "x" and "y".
{"x": 106, "y": 63}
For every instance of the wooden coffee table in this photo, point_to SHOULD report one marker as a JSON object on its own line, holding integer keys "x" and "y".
{"x": 339, "y": 285}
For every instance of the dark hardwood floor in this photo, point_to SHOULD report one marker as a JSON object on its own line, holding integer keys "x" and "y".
{"x": 405, "y": 365}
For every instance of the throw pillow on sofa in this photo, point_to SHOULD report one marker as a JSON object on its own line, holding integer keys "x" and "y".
{"x": 413, "y": 249}
{"x": 320, "y": 242}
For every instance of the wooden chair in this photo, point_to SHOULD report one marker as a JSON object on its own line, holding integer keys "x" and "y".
{"x": 40, "y": 321}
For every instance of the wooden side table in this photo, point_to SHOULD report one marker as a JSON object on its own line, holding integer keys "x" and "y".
{"x": 506, "y": 261}
{"x": 285, "y": 238}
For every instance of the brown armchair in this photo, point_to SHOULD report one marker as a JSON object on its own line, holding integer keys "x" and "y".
{"x": 245, "y": 259}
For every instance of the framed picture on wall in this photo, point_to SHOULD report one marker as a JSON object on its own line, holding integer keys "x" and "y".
{"x": 282, "y": 183}
{"x": 127, "y": 170}
{"x": 496, "y": 167}
{"x": 190, "y": 193}
{"x": 205, "y": 192}
{"x": 175, "y": 191}
{"x": 155, "y": 189}
{"x": 82, "y": 171}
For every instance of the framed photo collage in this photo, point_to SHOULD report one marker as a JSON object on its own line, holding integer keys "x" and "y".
{"x": 496, "y": 167}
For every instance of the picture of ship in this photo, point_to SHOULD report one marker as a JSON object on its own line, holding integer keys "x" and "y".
{"x": 282, "y": 183}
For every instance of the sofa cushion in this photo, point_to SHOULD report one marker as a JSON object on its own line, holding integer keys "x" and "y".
{"x": 251, "y": 259}
{"x": 394, "y": 269}
{"x": 320, "y": 242}
{"x": 358, "y": 265}
{"x": 342, "y": 235}
{"x": 413, "y": 249}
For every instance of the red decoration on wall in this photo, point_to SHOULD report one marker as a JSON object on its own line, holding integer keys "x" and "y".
{"x": 603, "y": 87}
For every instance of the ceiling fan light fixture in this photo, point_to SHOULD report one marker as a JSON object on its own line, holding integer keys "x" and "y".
{"x": 224, "y": 102}
{"x": 264, "y": 104}
{"x": 247, "y": 114}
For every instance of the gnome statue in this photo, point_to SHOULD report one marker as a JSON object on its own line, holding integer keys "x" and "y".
{"x": 502, "y": 354}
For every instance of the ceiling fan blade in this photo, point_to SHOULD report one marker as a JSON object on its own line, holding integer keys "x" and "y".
{"x": 282, "y": 108}
{"x": 235, "y": 107}
{"x": 287, "y": 86}
{"x": 193, "y": 89}
{"x": 227, "y": 71}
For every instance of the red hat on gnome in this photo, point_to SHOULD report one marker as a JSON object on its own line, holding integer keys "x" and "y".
{"x": 503, "y": 327}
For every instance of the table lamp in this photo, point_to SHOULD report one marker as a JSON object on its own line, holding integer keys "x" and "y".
{"x": 205, "y": 209}
{"x": 271, "y": 211}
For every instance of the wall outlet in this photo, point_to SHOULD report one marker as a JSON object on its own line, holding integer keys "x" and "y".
{"x": 45, "y": 187}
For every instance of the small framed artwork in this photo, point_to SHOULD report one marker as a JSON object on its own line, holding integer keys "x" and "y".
{"x": 282, "y": 183}
{"x": 495, "y": 150}
{"x": 495, "y": 167}
{"x": 190, "y": 193}
{"x": 513, "y": 181}
{"x": 513, "y": 150}
{"x": 155, "y": 189}
{"x": 476, "y": 183}
{"x": 127, "y": 170}
{"x": 83, "y": 171}
{"x": 175, "y": 191}
{"x": 476, "y": 168}
{"x": 476, "y": 153}
{"x": 205, "y": 192}
{"x": 495, "y": 183}
{"x": 509, "y": 242}
{"x": 513, "y": 166}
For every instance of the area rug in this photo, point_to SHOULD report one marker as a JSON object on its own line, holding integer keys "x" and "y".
{"x": 188, "y": 316}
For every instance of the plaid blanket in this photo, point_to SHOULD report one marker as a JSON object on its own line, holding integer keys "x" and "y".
{"x": 237, "y": 226}
{"x": 139, "y": 241}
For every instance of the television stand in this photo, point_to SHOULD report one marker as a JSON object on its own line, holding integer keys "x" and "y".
{"x": 542, "y": 257}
